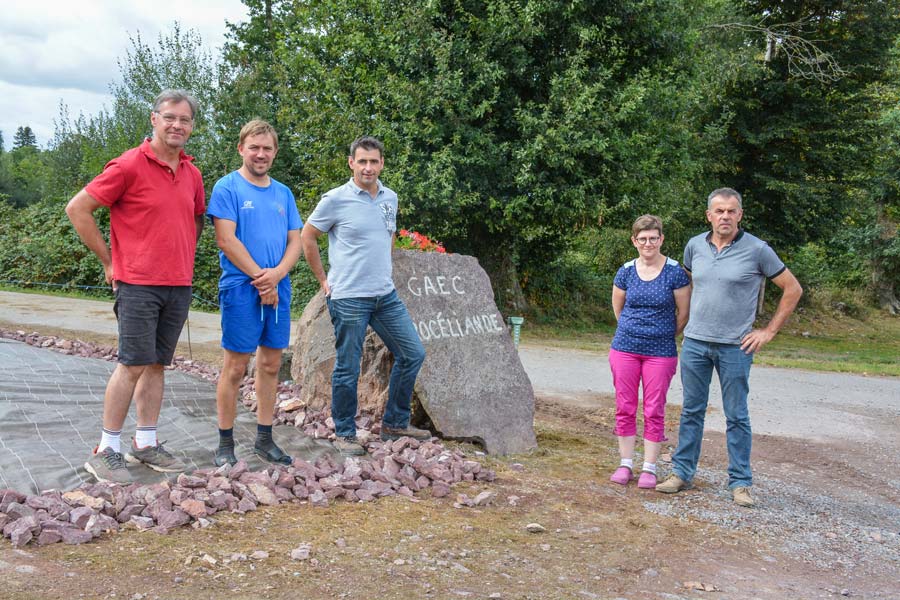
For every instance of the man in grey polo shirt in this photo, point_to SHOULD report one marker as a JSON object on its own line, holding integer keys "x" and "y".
{"x": 360, "y": 218}
{"x": 727, "y": 267}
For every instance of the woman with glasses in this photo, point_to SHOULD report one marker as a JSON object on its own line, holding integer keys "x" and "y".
{"x": 650, "y": 297}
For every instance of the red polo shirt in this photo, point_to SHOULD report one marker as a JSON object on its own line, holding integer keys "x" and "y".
{"x": 153, "y": 234}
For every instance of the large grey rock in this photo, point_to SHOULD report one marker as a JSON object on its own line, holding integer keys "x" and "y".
{"x": 472, "y": 384}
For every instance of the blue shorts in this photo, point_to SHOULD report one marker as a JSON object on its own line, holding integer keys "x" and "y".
{"x": 247, "y": 324}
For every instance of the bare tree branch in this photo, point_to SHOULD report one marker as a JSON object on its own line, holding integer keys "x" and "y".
{"x": 805, "y": 58}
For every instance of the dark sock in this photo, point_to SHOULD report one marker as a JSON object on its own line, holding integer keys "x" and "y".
{"x": 226, "y": 438}
{"x": 264, "y": 436}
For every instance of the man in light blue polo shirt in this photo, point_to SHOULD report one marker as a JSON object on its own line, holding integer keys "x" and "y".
{"x": 727, "y": 267}
{"x": 360, "y": 218}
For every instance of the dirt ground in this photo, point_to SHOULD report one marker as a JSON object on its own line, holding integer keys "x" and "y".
{"x": 599, "y": 540}
{"x": 826, "y": 526}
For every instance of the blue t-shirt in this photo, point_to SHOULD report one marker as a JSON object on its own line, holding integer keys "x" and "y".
{"x": 264, "y": 215}
{"x": 647, "y": 323}
{"x": 360, "y": 232}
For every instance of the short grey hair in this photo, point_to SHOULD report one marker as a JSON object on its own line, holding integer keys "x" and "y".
{"x": 366, "y": 142}
{"x": 725, "y": 193}
{"x": 175, "y": 96}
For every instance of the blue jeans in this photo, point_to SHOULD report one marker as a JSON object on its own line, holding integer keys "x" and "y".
{"x": 698, "y": 358}
{"x": 391, "y": 321}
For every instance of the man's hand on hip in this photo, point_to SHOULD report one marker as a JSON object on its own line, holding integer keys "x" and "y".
{"x": 755, "y": 340}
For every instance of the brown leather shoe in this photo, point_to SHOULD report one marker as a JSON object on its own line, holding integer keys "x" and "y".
{"x": 395, "y": 433}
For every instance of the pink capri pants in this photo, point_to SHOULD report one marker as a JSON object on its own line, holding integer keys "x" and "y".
{"x": 655, "y": 372}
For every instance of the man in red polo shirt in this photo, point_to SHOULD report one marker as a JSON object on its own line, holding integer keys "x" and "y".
{"x": 156, "y": 203}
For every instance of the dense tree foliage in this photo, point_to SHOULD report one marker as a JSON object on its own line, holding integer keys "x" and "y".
{"x": 530, "y": 133}
{"x": 507, "y": 130}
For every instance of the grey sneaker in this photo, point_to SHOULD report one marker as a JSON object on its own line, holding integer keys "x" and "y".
{"x": 108, "y": 466}
{"x": 349, "y": 446}
{"x": 395, "y": 433}
{"x": 155, "y": 457}
{"x": 742, "y": 496}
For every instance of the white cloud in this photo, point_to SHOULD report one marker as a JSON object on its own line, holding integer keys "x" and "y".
{"x": 52, "y": 50}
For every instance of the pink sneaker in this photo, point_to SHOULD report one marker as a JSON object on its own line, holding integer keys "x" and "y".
{"x": 622, "y": 475}
{"x": 647, "y": 480}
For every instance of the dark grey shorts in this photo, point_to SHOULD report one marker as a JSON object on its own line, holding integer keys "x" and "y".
{"x": 150, "y": 321}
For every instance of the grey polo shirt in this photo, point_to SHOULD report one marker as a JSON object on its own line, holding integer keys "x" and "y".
{"x": 726, "y": 285}
{"x": 360, "y": 230}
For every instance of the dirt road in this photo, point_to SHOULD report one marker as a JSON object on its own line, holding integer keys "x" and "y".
{"x": 808, "y": 405}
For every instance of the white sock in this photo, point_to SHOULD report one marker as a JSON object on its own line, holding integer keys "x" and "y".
{"x": 110, "y": 439}
{"x": 145, "y": 436}
{"x": 627, "y": 462}
{"x": 649, "y": 467}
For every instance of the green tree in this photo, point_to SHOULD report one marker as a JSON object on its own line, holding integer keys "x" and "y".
{"x": 249, "y": 87}
{"x": 509, "y": 125}
{"x": 24, "y": 138}
{"x": 82, "y": 146}
{"x": 798, "y": 134}
{"x": 872, "y": 231}
{"x": 23, "y": 175}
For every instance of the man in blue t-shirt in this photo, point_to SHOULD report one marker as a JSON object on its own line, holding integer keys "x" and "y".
{"x": 727, "y": 268}
{"x": 258, "y": 233}
{"x": 360, "y": 218}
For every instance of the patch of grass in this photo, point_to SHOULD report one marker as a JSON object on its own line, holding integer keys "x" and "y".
{"x": 823, "y": 341}
{"x": 876, "y": 353}
{"x": 595, "y": 339}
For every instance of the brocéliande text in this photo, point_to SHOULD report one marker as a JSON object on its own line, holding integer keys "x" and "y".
{"x": 453, "y": 327}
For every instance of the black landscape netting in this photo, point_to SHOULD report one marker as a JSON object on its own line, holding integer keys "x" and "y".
{"x": 51, "y": 408}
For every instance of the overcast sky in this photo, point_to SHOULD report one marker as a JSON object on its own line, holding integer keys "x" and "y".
{"x": 52, "y": 50}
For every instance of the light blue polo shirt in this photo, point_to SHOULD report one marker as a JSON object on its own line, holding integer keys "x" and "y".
{"x": 360, "y": 230}
{"x": 726, "y": 285}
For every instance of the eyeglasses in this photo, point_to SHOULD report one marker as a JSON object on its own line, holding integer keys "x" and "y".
{"x": 170, "y": 120}
{"x": 647, "y": 241}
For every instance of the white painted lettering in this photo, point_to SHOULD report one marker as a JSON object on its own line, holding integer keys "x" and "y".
{"x": 479, "y": 327}
{"x": 414, "y": 288}
{"x": 441, "y": 323}
{"x": 469, "y": 326}
{"x": 456, "y": 289}
{"x": 441, "y": 280}
{"x": 429, "y": 286}
{"x": 459, "y": 332}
